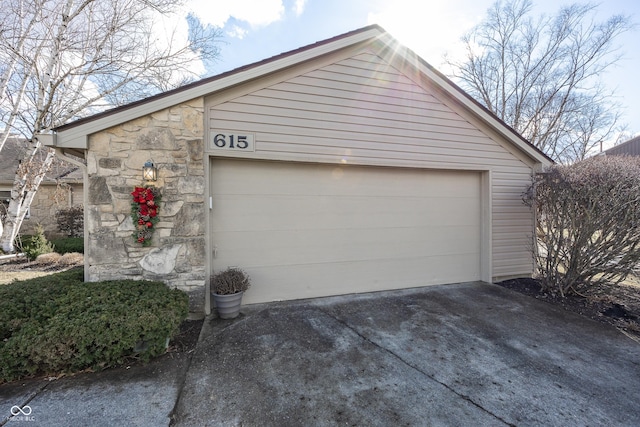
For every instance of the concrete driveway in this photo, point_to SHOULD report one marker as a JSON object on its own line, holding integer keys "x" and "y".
{"x": 467, "y": 354}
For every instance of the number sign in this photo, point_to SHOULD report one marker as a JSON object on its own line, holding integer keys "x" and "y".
{"x": 221, "y": 140}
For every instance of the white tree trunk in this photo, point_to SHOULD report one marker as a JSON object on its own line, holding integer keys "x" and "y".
{"x": 30, "y": 174}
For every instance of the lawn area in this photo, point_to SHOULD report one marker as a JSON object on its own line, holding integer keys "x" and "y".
{"x": 20, "y": 268}
{"x": 9, "y": 276}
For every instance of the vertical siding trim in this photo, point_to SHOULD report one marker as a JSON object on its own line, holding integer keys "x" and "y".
{"x": 208, "y": 244}
{"x": 486, "y": 231}
{"x": 534, "y": 229}
{"x": 208, "y": 247}
{"x": 85, "y": 219}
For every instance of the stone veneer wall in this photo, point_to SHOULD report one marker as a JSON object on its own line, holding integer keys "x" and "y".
{"x": 48, "y": 200}
{"x": 173, "y": 139}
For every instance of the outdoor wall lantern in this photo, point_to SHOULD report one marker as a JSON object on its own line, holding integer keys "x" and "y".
{"x": 149, "y": 171}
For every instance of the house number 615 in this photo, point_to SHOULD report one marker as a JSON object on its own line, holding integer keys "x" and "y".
{"x": 232, "y": 141}
{"x": 220, "y": 140}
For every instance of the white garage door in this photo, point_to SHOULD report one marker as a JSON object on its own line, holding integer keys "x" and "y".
{"x": 308, "y": 230}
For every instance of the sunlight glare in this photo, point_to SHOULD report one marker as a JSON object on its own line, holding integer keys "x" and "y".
{"x": 415, "y": 23}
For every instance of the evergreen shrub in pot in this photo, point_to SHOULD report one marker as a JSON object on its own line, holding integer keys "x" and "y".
{"x": 228, "y": 286}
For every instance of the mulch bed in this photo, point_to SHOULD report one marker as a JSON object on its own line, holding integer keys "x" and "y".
{"x": 617, "y": 305}
{"x": 185, "y": 341}
{"x": 22, "y": 263}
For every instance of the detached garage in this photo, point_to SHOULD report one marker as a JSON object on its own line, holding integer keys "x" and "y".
{"x": 345, "y": 166}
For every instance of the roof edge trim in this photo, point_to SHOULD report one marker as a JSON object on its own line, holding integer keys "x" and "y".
{"x": 74, "y": 134}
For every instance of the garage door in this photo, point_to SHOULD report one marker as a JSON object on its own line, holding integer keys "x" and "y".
{"x": 309, "y": 230}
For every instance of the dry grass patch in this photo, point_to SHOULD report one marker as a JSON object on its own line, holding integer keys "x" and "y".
{"x": 71, "y": 258}
{"x": 47, "y": 259}
{"x": 20, "y": 268}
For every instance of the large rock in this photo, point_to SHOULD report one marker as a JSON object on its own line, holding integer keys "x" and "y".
{"x": 156, "y": 139}
{"x": 168, "y": 209}
{"x": 109, "y": 163}
{"x": 125, "y": 224}
{"x": 161, "y": 260}
{"x": 106, "y": 249}
{"x": 189, "y": 221}
{"x": 196, "y": 251}
{"x": 190, "y": 185}
{"x": 99, "y": 191}
{"x": 195, "y": 147}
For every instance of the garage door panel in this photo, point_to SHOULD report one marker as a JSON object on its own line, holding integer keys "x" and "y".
{"x": 312, "y": 280}
{"x": 345, "y": 212}
{"x": 304, "y": 230}
{"x": 257, "y": 177}
{"x": 282, "y": 247}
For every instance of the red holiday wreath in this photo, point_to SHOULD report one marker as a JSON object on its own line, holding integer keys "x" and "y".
{"x": 144, "y": 213}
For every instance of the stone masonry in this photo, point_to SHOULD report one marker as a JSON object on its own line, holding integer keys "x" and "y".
{"x": 173, "y": 140}
{"x": 49, "y": 199}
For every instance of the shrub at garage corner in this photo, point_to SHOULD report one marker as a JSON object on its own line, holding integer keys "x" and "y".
{"x": 57, "y": 323}
{"x": 68, "y": 244}
{"x": 588, "y": 222}
{"x": 38, "y": 245}
{"x": 71, "y": 221}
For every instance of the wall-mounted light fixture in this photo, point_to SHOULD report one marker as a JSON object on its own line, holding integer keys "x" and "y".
{"x": 149, "y": 171}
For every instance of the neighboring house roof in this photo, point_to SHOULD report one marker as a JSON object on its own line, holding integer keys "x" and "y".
{"x": 9, "y": 158}
{"x": 13, "y": 152}
{"x": 74, "y": 135}
{"x": 630, "y": 147}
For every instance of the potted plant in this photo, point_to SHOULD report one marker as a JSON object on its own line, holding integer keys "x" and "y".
{"x": 228, "y": 286}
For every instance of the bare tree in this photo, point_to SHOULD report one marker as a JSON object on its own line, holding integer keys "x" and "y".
{"x": 542, "y": 75}
{"x": 64, "y": 59}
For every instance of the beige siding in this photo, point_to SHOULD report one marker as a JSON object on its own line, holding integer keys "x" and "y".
{"x": 361, "y": 110}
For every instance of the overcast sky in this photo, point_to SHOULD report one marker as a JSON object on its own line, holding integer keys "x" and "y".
{"x": 258, "y": 29}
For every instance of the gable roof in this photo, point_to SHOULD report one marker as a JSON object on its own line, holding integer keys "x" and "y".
{"x": 74, "y": 135}
{"x": 630, "y": 147}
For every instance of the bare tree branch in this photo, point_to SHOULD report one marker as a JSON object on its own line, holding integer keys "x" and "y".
{"x": 63, "y": 59}
{"x": 541, "y": 76}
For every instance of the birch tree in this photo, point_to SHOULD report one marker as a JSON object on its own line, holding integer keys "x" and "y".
{"x": 542, "y": 75}
{"x": 64, "y": 59}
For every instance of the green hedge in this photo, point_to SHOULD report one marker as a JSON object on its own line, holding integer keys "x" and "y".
{"x": 62, "y": 245}
{"x": 57, "y": 323}
{"x": 68, "y": 244}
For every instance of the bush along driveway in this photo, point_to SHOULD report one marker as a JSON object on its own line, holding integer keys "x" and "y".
{"x": 59, "y": 324}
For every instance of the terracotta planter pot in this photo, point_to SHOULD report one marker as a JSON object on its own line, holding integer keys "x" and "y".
{"x": 228, "y": 306}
